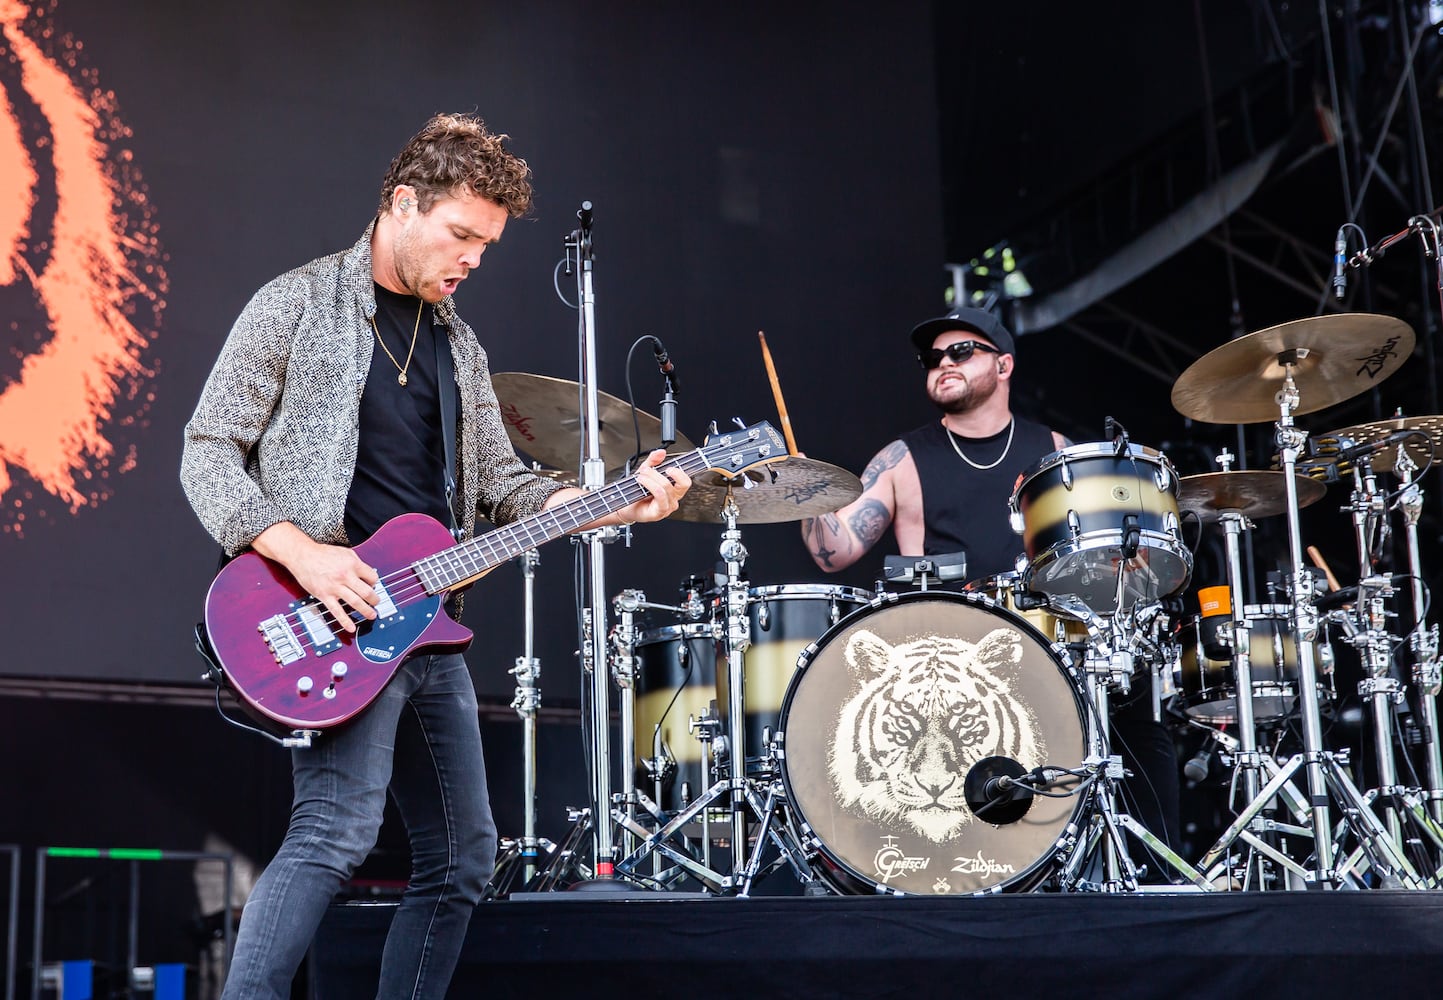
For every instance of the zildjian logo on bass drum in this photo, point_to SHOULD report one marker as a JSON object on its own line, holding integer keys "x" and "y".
{"x": 81, "y": 276}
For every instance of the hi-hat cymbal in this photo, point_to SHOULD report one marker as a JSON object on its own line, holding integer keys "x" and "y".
{"x": 803, "y": 487}
{"x": 1253, "y": 493}
{"x": 543, "y": 419}
{"x": 1421, "y": 447}
{"x": 1333, "y": 357}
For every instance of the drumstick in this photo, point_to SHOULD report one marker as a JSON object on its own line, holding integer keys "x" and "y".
{"x": 777, "y": 392}
{"x": 1322, "y": 564}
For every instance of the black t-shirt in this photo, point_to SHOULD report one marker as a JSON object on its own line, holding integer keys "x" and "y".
{"x": 400, "y": 460}
{"x": 965, "y": 509}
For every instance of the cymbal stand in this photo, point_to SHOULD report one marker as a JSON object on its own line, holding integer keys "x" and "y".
{"x": 1427, "y": 673}
{"x": 1366, "y": 630}
{"x": 1378, "y": 689}
{"x": 528, "y": 698}
{"x": 1108, "y": 662}
{"x": 1324, "y": 773}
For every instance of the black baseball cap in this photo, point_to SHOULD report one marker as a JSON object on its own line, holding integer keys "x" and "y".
{"x": 964, "y": 318}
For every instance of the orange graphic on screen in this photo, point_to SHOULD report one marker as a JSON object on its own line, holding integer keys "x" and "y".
{"x": 81, "y": 277}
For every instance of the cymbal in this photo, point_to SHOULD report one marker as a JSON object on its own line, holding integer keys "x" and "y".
{"x": 804, "y": 487}
{"x": 1386, "y": 459}
{"x": 1254, "y": 493}
{"x": 1336, "y": 358}
{"x": 543, "y": 419}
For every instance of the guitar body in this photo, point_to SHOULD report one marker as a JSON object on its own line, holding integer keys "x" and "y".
{"x": 286, "y": 662}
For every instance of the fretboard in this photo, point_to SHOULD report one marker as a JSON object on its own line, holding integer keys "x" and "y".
{"x": 464, "y": 563}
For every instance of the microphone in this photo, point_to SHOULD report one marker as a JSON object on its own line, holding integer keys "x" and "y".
{"x": 1366, "y": 448}
{"x": 663, "y": 363}
{"x": 993, "y": 791}
{"x": 1340, "y": 262}
{"x": 668, "y": 400}
{"x": 584, "y": 214}
{"x": 1196, "y": 769}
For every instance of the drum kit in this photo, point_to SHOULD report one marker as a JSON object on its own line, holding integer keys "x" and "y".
{"x": 956, "y": 739}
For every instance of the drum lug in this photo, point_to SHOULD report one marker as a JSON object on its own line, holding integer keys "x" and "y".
{"x": 1163, "y": 477}
{"x": 1014, "y": 518}
{"x": 1074, "y": 523}
{"x": 1066, "y": 474}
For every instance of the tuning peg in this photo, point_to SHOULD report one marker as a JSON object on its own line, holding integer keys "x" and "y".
{"x": 739, "y": 422}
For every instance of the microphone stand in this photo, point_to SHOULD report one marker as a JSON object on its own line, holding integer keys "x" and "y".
{"x": 593, "y": 472}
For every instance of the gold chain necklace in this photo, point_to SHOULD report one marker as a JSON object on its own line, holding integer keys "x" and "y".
{"x": 400, "y": 368}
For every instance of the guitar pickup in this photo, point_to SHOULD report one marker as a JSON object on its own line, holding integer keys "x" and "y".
{"x": 385, "y": 607}
{"x": 313, "y": 618}
{"x": 282, "y": 640}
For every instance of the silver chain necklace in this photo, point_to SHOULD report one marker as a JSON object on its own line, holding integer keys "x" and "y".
{"x": 1011, "y": 426}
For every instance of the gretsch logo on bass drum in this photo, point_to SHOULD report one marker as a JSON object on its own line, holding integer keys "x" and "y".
{"x": 891, "y": 862}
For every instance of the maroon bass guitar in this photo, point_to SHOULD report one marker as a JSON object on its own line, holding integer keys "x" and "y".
{"x": 288, "y": 659}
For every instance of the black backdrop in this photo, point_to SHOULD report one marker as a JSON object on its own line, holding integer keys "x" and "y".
{"x": 752, "y": 167}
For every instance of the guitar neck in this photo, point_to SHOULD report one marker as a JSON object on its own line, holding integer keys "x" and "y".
{"x": 465, "y": 563}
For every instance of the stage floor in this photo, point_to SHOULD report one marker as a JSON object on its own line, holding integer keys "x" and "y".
{"x": 1345, "y": 944}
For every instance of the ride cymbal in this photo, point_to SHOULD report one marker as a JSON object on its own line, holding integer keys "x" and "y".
{"x": 1333, "y": 358}
{"x": 543, "y": 419}
{"x": 1253, "y": 493}
{"x": 789, "y": 490}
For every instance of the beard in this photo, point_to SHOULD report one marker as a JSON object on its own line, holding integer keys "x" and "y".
{"x": 974, "y": 392}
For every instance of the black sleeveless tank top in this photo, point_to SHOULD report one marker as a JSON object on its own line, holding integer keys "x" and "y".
{"x": 965, "y": 509}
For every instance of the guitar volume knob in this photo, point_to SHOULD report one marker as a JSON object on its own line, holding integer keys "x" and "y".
{"x": 338, "y": 671}
{"x": 304, "y": 685}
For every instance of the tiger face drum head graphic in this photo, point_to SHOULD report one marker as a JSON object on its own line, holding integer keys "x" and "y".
{"x": 887, "y": 717}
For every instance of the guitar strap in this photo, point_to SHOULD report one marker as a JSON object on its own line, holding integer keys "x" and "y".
{"x": 446, "y": 389}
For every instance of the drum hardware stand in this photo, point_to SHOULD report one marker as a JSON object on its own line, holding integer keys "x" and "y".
{"x": 623, "y": 671}
{"x": 525, "y": 851}
{"x": 729, "y": 747}
{"x": 1324, "y": 771}
{"x": 1379, "y": 689}
{"x": 1108, "y": 662}
{"x": 1427, "y": 673}
{"x": 1246, "y": 759}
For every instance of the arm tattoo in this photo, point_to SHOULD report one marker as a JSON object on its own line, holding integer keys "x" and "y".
{"x": 815, "y": 531}
{"x": 884, "y": 460}
{"x": 869, "y": 521}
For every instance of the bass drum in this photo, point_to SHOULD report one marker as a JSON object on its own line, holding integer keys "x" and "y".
{"x": 886, "y": 718}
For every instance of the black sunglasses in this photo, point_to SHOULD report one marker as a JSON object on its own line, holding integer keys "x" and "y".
{"x": 958, "y": 352}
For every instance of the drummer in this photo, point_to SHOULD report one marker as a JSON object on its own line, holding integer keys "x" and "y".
{"x": 944, "y": 488}
{"x": 968, "y": 461}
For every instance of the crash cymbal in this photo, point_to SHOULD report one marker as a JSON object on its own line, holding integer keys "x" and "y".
{"x": 1421, "y": 446}
{"x": 1254, "y": 493}
{"x": 803, "y": 487}
{"x": 1334, "y": 358}
{"x": 543, "y": 419}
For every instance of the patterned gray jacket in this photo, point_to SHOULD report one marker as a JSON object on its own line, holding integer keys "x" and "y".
{"x": 274, "y": 436}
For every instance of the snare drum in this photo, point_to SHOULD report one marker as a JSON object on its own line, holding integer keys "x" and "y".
{"x": 1209, "y": 686}
{"x": 888, "y": 716}
{"x": 782, "y": 620}
{"x": 1088, "y": 513}
{"x": 1003, "y": 589}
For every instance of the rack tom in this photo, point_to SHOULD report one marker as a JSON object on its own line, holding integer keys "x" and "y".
{"x": 1092, "y": 513}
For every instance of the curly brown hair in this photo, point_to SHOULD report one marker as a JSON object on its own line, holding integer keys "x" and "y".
{"x": 455, "y": 153}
